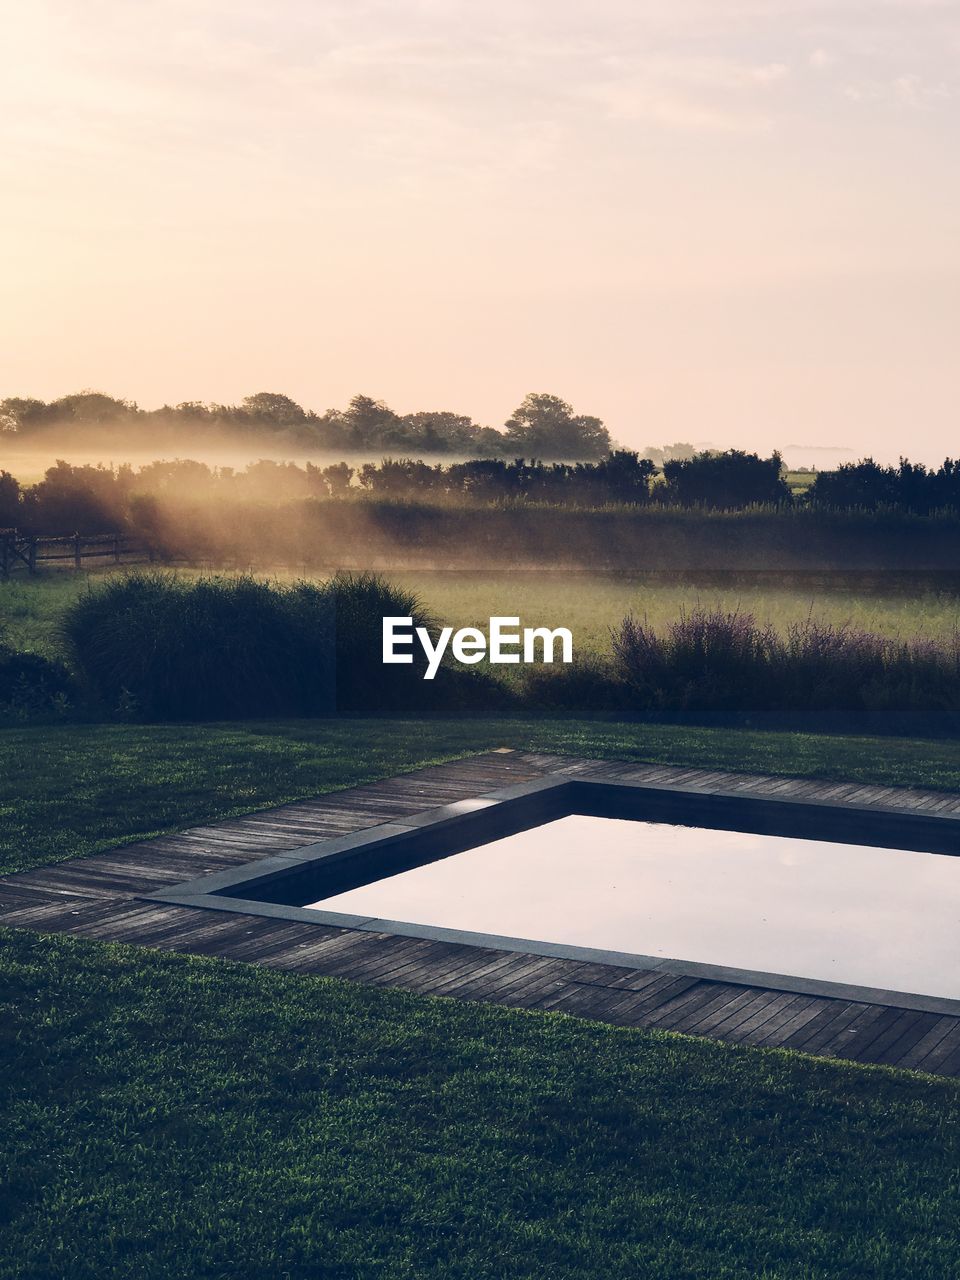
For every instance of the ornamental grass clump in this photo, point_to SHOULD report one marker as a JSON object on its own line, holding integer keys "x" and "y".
{"x": 827, "y": 667}
{"x": 708, "y": 660}
{"x": 824, "y": 667}
{"x": 718, "y": 661}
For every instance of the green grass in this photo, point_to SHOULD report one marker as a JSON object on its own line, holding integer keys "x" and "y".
{"x": 799, "y": 482}
{"x": 167, "y": 1117}
{"x": 589, "y": 603}
{"x": 71, "y": 790}
{"x": 30, "y": 609}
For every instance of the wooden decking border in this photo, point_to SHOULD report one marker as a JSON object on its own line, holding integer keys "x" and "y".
{"x": 103, "y": 897}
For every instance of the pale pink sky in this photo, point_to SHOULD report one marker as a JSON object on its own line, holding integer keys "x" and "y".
{"x": 726, "y": 220}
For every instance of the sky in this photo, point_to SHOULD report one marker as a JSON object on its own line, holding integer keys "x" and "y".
{"x": 732, "y": 221}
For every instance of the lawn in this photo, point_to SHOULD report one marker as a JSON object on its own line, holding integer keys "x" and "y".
{"x": 170, "y": 1117}
{"x": 589, "y": 603}
{"x": 167, "y": 1116}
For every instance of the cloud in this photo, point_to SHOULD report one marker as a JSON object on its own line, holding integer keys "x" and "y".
{"x": 692, "y": 94}
{"x": 911, "y": 91}
{"x": 770, "y": 73}
{"x": 435, "y": 86}
{"x": 658, "y": 105}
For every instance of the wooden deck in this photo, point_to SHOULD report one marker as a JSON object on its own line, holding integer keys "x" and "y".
{"x": 101, "y": 897}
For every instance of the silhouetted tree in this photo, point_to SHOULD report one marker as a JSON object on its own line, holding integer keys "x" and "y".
{"x": 78, "y": 499}
{"x": 368, "y": 423}
{"x": 397, "y": 477}
{"x": 868, "y": 485}
{"x": 23, "y": 415}
{"x": 10, "y": 501}
{"x": 270, "y": 408}
{"x": 863, "y": 484}
{"x": 625, "y": 476}
{"x": 725, "y": 480}
{"x": 338, "y": 476}
{"x": 440, "y": 432}
{"x": 544, "y": 426}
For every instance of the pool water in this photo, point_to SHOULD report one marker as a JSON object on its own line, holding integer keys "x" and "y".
{"x": 885, "y": 918}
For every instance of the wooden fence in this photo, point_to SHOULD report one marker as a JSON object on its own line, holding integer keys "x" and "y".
{"x": 24, "y": 553}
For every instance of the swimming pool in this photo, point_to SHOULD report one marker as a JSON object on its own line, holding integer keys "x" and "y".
{"x": 807, "y": 897}
{"x": 814, "y": 908}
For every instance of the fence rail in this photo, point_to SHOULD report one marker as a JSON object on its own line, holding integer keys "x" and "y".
{"x": 25, "y": 553}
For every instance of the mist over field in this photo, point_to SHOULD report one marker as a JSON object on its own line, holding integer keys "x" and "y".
{"x": 29, "y": 464}
{"x": 707, "y": 510}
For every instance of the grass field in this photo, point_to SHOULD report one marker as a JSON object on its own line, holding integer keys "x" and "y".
{"x": 799, "y": 482}
{"x": 166, "y": 1116}
{"x": 589, "y": 603}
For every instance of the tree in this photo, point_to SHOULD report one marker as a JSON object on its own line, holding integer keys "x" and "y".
{"x": 624, "y": 476}
{"x": 439, "y": 431}
{"x": 863, "y": 484}
{"x": 77, "y": 499}
{"x": 93, "y": 408}
{"x": 729, "y": 480}
{"x": 545, "y": 426}
{"x": 366, "y": 423}
{"x": 22, "y": 415}
{"x": 10, "y": 500}
{"x": 337, "y": 476}
{"x": 273, "y": 409}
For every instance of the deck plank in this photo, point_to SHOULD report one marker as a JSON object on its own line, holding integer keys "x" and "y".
{"x": 928, "y": 1042}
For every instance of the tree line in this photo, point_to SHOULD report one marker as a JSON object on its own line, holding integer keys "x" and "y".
{"x": 96, "y": 499}
{"x": 93, "y": 499}
{"x": 543, "y": 425}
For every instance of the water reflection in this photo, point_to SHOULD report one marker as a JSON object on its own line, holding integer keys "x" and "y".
{"x": 845, "y": 913}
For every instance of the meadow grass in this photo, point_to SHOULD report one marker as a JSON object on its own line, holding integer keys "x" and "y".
{"x": 590, "y": 603}
{"x": 799, "y": 482}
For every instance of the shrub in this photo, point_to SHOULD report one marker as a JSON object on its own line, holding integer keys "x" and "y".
{"x": 364, "y": 683}
{"x": 825, "y": 667}
{"x": 32, "y": 685}
{"x": 586, "y": 685}
{"x": 159, "y": 647}
{"x": 164, "y": 648}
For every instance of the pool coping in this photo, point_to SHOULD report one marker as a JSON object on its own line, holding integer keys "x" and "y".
{"x": 492, "y": 814}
